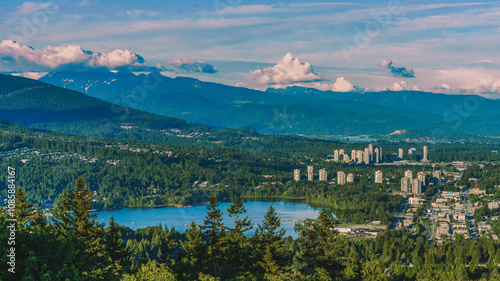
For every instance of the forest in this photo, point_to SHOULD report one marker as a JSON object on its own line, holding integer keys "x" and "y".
{"x": 72, "y": 245}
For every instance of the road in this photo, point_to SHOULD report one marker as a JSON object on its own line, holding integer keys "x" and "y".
{"x": 470, "y": 214}
{"x": 430, "y": 234}
{"x": 399, "y": 215}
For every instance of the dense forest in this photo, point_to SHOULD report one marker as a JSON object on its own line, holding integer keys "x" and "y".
{"x": 73, "y": 246}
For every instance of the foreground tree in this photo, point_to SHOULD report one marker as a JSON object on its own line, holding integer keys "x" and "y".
{"x": 239, "y": 246}
{"x": 214, "y": 234}
{"x": 269, "y": 243}
{"x": 321, "y": 247}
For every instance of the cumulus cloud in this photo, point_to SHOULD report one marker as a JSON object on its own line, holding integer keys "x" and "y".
{"x": 31, "y": 75}
{"x": 187, "y": 65}
{"x": 287, "y": 70}
{"x": 242, "y": 84}
{"x": 401, "y": 72}
{"x": 66, "y": 57}
{"x": 340, "y": 85}
{"x": 470, "y": 81}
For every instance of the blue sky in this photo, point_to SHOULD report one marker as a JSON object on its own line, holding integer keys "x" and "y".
{"x": 449, "y": 46}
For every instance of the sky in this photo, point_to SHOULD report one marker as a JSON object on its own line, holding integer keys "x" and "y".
{"x": 446, "y": 47}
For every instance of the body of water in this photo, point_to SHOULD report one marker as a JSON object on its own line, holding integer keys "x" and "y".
{"x": 181, "y": 217}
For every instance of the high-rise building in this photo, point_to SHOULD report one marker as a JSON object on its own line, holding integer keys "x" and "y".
{"x": 421, "y": 177}
{"x": 412, "y": 150}
{"x": 340, "y": 177}
{"x": 346, "y": 159}
{"x": 336, "y": 155}
{"x": 426, "y": 153}
{"x": 310, "y": 173}
{"x": 359, "y": 156}
{"x": 437, "y": 178}
{"x": 342, "y": 151}
{"x": 350, "y": 178}
{"x": 401, "y": 154}
{"x": 416, "y": 186}
{"x": 296, "y": 175}
{"x": 353, "y": 155}
{"x": 406, "y": 184}
{"x": 376, "y": 154}
{"x": 366, "y": 156}
{"x": 370, "y": 149}
{"x": 323, "y": 174}
{"x": 381, "y": 156}
{"x": 378, "y": 176}
{"x": 409, "y": 174}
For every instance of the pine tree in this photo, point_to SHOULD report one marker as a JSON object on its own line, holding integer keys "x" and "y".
{"x": 321, "y": 247}
{"x": 239, "y": 250}
{"x": 168, "y": 249}
{"x": 372, "y": 270}
{"x": 194, "y": 251}
{"x": 39, "y": 221}
{"x": 117, "y": 251}
{"x": 213, "y": 232}
{"x": 269, "y": 234}
{"x": 268, "y": 264}
{"x": 353, "y": 268}
{"x": 72, "y": 218}
{"x": 62, "y": 215}
{"x": 23, "y": 210}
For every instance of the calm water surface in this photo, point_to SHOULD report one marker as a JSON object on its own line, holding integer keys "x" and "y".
{"x": 181, "y": 217}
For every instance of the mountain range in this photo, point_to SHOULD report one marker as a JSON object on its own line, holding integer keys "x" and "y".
{"x": 39, "y": 105}
{"x": 294, "y": 110}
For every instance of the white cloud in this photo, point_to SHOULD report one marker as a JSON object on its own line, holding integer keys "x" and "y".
{"x": 241, "y": 84}
{"x": 69, "y": 56}
{"x": 471, "y": 80}
{"x": 401, "y": 86}
{"x": 287, "y": 70}
{"x": 187, "y": 65}
{"x": 340, "y": 85}
{"x": 31, "y": 75}
{"x": 28, "y": 8}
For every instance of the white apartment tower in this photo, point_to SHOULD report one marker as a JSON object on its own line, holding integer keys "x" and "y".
{"x": 406, "y": 184}
{"x": 377, "y": 154}
{"x": 296, "y": 175}
{"x": 336, "y": 155}
{"x": 409, "y": 174}
{"x": 350, "y": 178}
{"x": 378, "y": 177}
{"x": 340, "y": 178}
{"x": 426, "y": 153}
{"x": 416, "y": 186}
{"x": 323, "y": 174}
{"x": 367, "y": 157}
{"x": 421, "y": 177}
{"x": 310, "y": 173}
{"x": 401, "y": 154}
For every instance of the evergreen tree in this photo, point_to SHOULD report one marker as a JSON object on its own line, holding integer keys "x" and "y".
{"x": 23, "y": 210}
{"x": 39, "y": 221}
{"x": 269, "y": 234}
{"x": 168, "y": 249}
{"x": 194, "y": 252}
{"x": 239, "y": 248}
{"x": 372, "y": 270}
{"x": 321, "y": 247}
{"x": 268, "y": 264}
{"x": 214, "y": 234}
{"x": 116, "y": 249}
{"x": 353, "y": 268}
